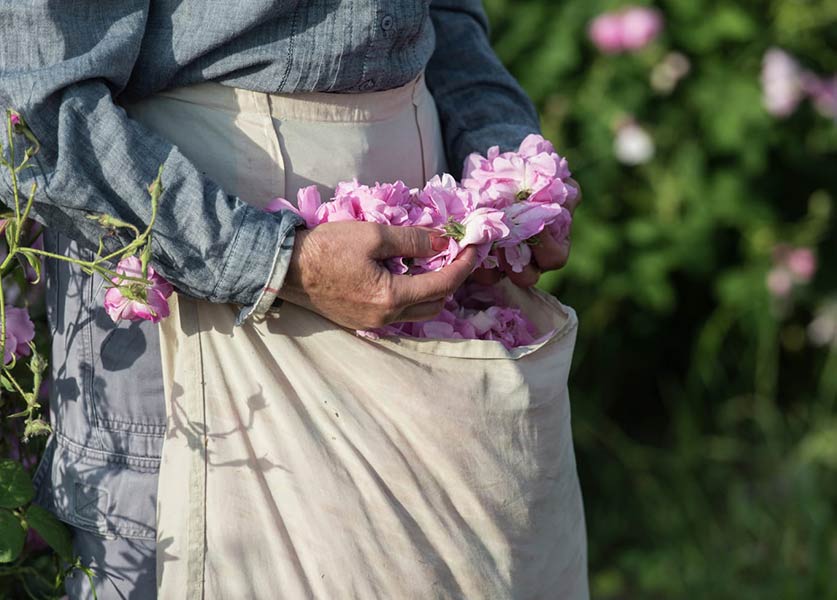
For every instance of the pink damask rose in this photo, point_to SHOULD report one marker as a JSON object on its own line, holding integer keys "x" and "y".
{"x": 483, "y": 226}
{"x": 527, "y": 219}
{"x": 791, "y": 267}
{"x": 443, "y": 199}
{"x": 137, "y": 301}
{"x": 625, "y": 31}
{"x": 605, "y": 31}
{"x": 823, "y": 93}
{"x": 535, "y": 172}
{"x": 802, "y": 263}
{"x": 640, "y": 26}
{"x": 781, "y": 82}
{"x": 19, "y": 332}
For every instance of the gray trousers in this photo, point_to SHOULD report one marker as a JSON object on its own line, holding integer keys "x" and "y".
{"x": 123, "y": 568}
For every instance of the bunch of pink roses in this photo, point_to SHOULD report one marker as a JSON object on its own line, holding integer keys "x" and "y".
{"x": 503, "y": 202}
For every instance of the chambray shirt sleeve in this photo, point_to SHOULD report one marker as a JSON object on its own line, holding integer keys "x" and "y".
{"x": 61, "y": 64}
{"x": 479, "y": 103}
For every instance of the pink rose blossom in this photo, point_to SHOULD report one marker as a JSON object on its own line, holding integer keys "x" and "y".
{"x": 518, "y": 256}
{"x": 144, "y": 301}
{"x": 779, "y": 282}
{"x": 483, "y": 226}
{"x": 605, "y": 32}
{"x": 802, "y": 263}
{"x": 19, "y": 332}
{"x": 528, "y": 219}
{"x": 640, "y": 25}
{"x": 15, "y": 119}
{"x": 473, "y": 312}
{"x": 628, "y": 30}
{"x": 781, "y": 82}
{"x": 823, "y": 93}
{"x": 535, "y": 172}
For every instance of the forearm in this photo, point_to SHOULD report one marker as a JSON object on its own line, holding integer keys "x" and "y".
{"x": 95, "y": 159}
{"x": 480, "y": 104}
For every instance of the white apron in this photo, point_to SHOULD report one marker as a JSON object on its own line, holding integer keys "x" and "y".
{"x": 302, "y": 461}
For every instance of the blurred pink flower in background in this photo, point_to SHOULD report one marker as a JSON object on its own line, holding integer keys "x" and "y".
{"x": 791, "y": 267}
{"x": 802, "y": 264}
{"x": 823, "y": 93}
{"x": 781, "y": 82}
{"x": 19, "y": 332}
{"x": 136, "y": 301}
{"x": 785, "y": 84}
{"x": 627, "y": 30}
{"x": 779, "y": 282}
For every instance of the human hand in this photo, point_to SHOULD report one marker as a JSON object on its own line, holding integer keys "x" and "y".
{"x": 336, "y": 270}
{"x": 548, "y": 254}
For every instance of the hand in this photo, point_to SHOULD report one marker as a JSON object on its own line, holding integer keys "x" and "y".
{"x": 548, "y": 255}
{"x": 336, "y": 271}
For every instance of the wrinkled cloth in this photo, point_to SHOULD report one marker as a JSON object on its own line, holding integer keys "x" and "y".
{"x": 304, "y": 461}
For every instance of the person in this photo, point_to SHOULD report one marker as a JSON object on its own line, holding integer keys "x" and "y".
{"x": 69, "y": 68}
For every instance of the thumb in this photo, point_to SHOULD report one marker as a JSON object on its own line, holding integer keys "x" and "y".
{"x": 410, "y": 242}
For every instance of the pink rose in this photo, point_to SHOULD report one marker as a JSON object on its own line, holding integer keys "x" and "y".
{"x": 802, "y": 263}
{"x": 605, "y": 32}
{"x": 640, "y": 25}
{"x": 483, "y": 226}
{"x": 528, "y": 219}
{"x": 630, "y": 29}
{"x": 823, "y": 93}
{"x": 779, "y": 282}
{"x": 781, "y": 82}
{"x": 19, "y": 332}
{"x": 518, "y": 256}
{"x": 136, "y": 300}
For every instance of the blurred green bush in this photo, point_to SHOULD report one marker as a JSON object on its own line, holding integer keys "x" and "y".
{"x": 704, "y": 406}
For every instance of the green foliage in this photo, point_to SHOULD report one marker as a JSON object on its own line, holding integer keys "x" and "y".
{"x": 703, "y": 414}
{"x": 15, "y": 484}
{"x": 53, "y": 531}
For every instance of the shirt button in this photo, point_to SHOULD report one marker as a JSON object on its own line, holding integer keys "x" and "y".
{"x": 367, "y": 85}
{"x": 387, "y": 23}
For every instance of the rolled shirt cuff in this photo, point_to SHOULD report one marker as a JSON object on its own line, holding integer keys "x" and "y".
{"x": 258, "y": 261}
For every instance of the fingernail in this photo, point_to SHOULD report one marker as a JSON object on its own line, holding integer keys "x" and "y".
{"x": 438, "y": 242}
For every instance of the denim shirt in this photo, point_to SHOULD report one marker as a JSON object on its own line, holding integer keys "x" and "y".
{"x": 67, "y": 67}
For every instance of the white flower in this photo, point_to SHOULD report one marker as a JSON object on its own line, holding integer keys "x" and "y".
{"x": 633, "y": 145}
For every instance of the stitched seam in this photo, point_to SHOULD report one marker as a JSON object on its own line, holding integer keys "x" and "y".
{"x": 291, "y": 44}
{"x": 149, "y": 463}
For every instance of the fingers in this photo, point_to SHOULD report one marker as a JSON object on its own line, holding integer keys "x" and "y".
{"x": 423, "y": 311}
{"x": 550, "y": 254}
{"x": 486, "y": 276}
{"x": 571, "y": 205}
{"x": 526, "y": 278}
{"x": 435, "y": 285}
{"x": 408, "y": 242}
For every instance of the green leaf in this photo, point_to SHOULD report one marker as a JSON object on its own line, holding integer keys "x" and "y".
{"x": 12, "y": 536}
{"x": 15, "y": 484}
{"x": 54, "y": 532}
{"x": 7, "y": 385}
